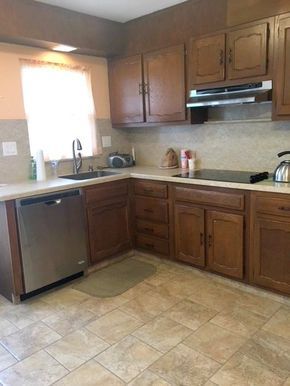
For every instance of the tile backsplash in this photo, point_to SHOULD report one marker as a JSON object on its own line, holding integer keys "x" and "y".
{"x": 243, "y": 145}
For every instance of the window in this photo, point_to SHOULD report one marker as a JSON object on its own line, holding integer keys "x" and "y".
{"x": 59, "y": 107}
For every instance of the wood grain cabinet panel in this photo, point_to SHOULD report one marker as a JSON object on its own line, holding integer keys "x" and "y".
{"x": 151, "y": 209}
{"x": 248, "y": 52}
{"x": 151, "y": 189}
{"x": 272, "y": 253}
{"x": 126, "y": 90}
{"x": 108, "y": 224}
{"x": 189, "y": 234}
{"x": 282, "y": 87}
{"x": 207, "y": 59}
{"x": 165, "y": 85}
{"x": 225, "y": 243}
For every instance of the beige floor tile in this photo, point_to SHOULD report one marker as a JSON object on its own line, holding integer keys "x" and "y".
{"x": 90, "y": 374}
{"x": 214, "y": 295}
{"x": 101, "y": 306}
{"x": 6, "y": 359}
{"x": 114, "y": 326}
{"x": 259, "y": 304}
{"x": 184, "y": 285}
{"x": 148, "y": 379}
{"x": 38, "y": 369}
{"x": 69, "y": 319}
{"x": 279, "y": 324}
{"x": 149, "y": 305}
{"x": 184, "y": 366}
{"x": 239, "y": 321}
{"x": 24, "y": 314}
{"x": 287, "y": 383}
{"x": 190, "y": 314}
{"x": 29, "y": 340}
{"x": 6, "y": 328}
{"x": 128, "y": 358}
{"x": 214, "y": 342}
{"x": 244, "y": 371}
{"x": 160, "y": 277}
{"x": 139, "y": 289}
{"x": 162, "y": 333}
{"x": 271, "y": 350}
{"x": 76, "y": 348}
{"x": 65, "y": 297}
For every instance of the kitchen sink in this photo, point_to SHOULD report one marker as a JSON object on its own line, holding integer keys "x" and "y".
{"x": 89, "y": 175}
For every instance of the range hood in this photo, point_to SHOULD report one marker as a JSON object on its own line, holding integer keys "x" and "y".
{"x": 231, "y": 95}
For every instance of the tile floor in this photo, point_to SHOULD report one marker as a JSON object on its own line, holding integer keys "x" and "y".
{"x": 178, "y": 327}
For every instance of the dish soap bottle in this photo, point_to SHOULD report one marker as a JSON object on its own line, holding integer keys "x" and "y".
{"x": 32, "y": 169}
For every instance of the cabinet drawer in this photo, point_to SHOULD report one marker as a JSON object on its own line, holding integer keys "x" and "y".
{"x": 157, "y": 230}
{"x": 271, "y": 205}
{"x": 151, "y": 189}
{"x": 151, "y": 209}
{"x": 105, "y": 192}
{"x": 209, "y": 197}
{"x": 152, "y": 244}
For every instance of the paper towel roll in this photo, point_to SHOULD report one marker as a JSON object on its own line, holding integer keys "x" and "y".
{"x": 40, "y": 166}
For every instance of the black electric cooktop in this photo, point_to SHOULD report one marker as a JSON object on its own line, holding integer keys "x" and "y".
{"x": 225, "y": 175}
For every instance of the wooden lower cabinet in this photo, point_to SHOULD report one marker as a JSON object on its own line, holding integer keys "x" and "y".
{"x": 225, "y": 233}
{"x": 210, "y": 238}
{"x": 109, "y": 232}
{"x": 271, "y": 253}
{"x": 189, "y": 234}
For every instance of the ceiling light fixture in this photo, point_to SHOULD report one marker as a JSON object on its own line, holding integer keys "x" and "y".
{"x": 63, "y": 48}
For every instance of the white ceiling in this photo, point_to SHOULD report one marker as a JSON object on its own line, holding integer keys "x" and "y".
{"x": 118, "y": 10}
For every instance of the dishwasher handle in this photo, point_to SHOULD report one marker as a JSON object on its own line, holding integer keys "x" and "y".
{"x": 53, "y": 202}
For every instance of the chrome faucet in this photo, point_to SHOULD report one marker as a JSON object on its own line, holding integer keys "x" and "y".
{"x": 77, "y": 160}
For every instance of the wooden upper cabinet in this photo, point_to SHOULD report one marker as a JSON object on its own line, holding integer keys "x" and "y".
{"x": 207, "y": 59}
{"x": 282, "y": 86}
{"x": 126, "y": 96}
{"x": 248, "y": 52}
{"x": 225, "y": 243}
{"x": 189, "y": 234}
{"x": 164, "y": 85}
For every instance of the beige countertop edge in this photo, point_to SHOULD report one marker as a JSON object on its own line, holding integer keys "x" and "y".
{"x": 31, "y": 188}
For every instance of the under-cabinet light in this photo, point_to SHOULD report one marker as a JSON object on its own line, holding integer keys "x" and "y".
{"x": 63, "y": 48}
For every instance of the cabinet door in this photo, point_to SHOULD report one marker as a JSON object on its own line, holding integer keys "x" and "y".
{"x": 272, "y": 253}
{"x": 207, "y": 59}
{"x": 282, "y": 87}
{"x": 225, "y": 243}
{"x": 189, "y": 234}
{"x": 108, "y": 229}
{"x": 126, "y": 90}
{"x": 248, "y": 52}
{"x": 164, "y": 77}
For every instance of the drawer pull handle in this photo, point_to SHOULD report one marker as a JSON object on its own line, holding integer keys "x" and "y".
{"x": 148, "y": 210}
{"x": 149, "y": 230}
{"x": 151, "y": 246}
{"x": 285, "y": 208}
{"x": 148, "y": 190}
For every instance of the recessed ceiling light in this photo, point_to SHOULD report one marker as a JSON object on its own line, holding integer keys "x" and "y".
{"x": 63, "y": 48}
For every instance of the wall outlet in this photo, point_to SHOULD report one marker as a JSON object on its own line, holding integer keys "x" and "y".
{"x": 9, "y": 148}
{"x": 106, "y": 141}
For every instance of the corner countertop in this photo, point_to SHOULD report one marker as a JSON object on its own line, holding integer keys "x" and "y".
{"x": 31, "y": 188}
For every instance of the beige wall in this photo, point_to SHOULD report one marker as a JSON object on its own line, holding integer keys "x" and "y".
{"x": 11, "y": 101}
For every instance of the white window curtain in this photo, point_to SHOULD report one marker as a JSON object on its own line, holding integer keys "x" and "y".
{"x": 59, "y": 107}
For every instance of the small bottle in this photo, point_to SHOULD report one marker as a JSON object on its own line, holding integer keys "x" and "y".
{"x": 183, "y": 159}
{"x": 32, "y": 169}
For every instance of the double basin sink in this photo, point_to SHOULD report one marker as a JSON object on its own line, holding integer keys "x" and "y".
{"x": 88, "y": 175}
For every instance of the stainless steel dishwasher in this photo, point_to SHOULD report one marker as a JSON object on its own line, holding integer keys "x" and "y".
{"x": 52, "y": 237}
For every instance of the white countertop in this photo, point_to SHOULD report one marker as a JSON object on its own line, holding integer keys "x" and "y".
{"x": 31, "y": 188}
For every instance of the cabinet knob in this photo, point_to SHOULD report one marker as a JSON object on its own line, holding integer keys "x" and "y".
{"x": 140, "y": 89}
{"x": 201, "y": 238}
